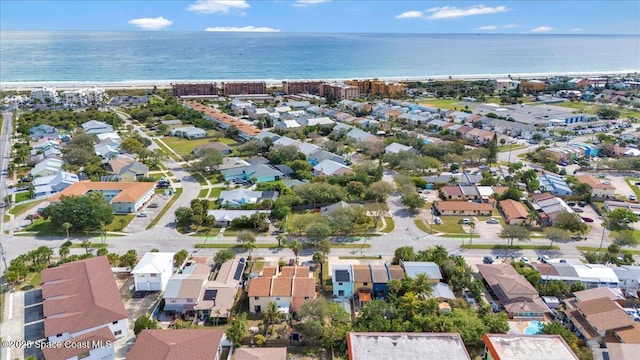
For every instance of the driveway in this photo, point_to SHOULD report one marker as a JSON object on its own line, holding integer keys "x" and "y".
{"x": 33, "y": 321}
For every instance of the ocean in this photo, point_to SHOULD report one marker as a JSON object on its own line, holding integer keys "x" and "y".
{"x": 98, "y": 57}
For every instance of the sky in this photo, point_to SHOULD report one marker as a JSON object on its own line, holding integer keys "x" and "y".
{"x": 348, "y": 16}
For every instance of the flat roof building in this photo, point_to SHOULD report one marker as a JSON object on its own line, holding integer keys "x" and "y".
{"x": 374, "y": 346}
{"x": 526, "y": 347}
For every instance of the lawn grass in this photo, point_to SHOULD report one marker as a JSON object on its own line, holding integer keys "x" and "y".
{"x": 23, "y": 196}
{"x": 165, "y": 208}
{"x": 228, "y": 141}
{"x": 215, "y": 192}
{"x": 184, "y": 146}
{"x": 636, "y": 234}
{"x": 445, "y": 104}
{"x": 119, "y": 222}
{"x": 633, "y": 186}
{"x": 420, "y": 224}
{"x": 604, "y": 249}
{"x": 449, "y": 225}
{"x": 201, "y": 179}
{"x": 33, "y": 279}
{"x": 592, "y": 108}
{"x": 350, "y": 246}
{"x": 22, "y": 208}
{"x": 514, "y": 247}
{"x": 511, "y": 147}
{"x": 167, "y": 150}
{"x": 359, "y": 257}
{"x": 91, "y": 245}
{"x": 203, "y": 194}
{"x": 232, "y": 246}
{"x": 389, "y": 225}
{"x": 460, "y": 236}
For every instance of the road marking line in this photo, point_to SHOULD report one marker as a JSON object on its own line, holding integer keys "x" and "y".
{"x": 9, "y": 304}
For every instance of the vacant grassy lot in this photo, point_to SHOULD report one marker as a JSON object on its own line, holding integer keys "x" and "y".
{"x": 215, "y": 192}
{"x": 22, "y": 208}
{"x": 43, "y": 227}
{"x": 445, "y": 104}
{"x": 167, "y": 151}
{"x": 449, "y": 225}
{"x": 592, "y": 108}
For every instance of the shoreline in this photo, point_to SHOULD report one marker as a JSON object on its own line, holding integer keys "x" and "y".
{"x": 145, "y": 84}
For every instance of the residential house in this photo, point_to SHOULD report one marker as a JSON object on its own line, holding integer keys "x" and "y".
{"x": 304, "y": 290}
{"x": 548, "y": 207}
{"x": 264, "y": 353}
{"x": 362, "y": 283}
{"x": 380, "y": 279}
{"x": 526, "y": 347}
{"x": 173, "y": 344}
{"x": 470, "y": 192}
{"x": 480, "y": 137}
{"x": 94, "y": 345}
{"x": 451, "y": 193}
{"x": 126, "y": 197}
{"x": 442, "y": 292}
{"x": 224, "y": 149}
{"x": 414, "y": 268}
{"x": 255, "y": 173}
{"x": 188, "y": 132}
{"x": 153, "y": 271}
{"x": 518, "y": 297}
{"x": 224, "y": 217}
{"x": 217, "y": 296}
{"x": 506, "y": 84}
{"x": 81, "y": 301}
{"x": 330, "y": 167}
{"x": 514, "y": 212}
{"x": 462, "y": 208}
{"x": 240, "y": 196}
{"x": 319, "y": 121}
{"x": 612, "y": 205}
{"x": 232, "y": 163}
{"x": 599, "y": 189}
{"x": 590, "y": 275}
{"x": 183, "y": 289}
{"x": 45, "y": 144}
{"x": 106, "y": 152}
{"x": 96, "y": 127}
{"x": 287, "y": 125}
{"x": 47, "y": 167}
{"x": 289, "y": 291}
{"x": 328, "y": 210}
{"x": 616, "y": 351}
{"x": 598, "y": 319}
{"x": 43, "y": 131}
{"x": 132, "y": 172}
{"x": 110, "y": 138}
{"x": 629, "y": 278}
{"x": 48, "y": 185}
{"x": 395, "y": 148}
{"x": 417, "y": 345}
{"x": 342, "y": 276}
{"x": 554, "y": 184}
{"x": 44, "y": 95}
{"x": 449, "y": 178}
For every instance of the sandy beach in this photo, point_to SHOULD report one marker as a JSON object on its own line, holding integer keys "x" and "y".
{"x": 147, "y": 84}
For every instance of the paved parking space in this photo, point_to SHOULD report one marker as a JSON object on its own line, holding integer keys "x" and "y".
{"x": 140, "y": 303}
{"x": 139, "y": 224}
{"x": 33, "y": 313}
{"x": 32, "y": 297}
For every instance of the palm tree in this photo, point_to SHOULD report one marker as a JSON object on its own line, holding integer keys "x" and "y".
{"x": 86, "y": 244}
{"x": 531, "y": 217}
{"x": 421, "y": 286}
{"x": 64, "y": 251}
{"x": 218, "y": 313}
{"x": 296, "y": 246}
{"x": 270, "y": 314}
{"x": 249, "y": 246}
{"x": 472, "y": 228}
{"x": 67, "y": 226}
{"x": 318, "y": 259}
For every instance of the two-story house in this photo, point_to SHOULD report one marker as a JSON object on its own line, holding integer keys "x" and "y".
{"x": 153, "y": 271}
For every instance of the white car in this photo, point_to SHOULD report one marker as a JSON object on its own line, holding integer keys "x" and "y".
{"x": 493, "y": 221}
{"x": 437, "y": 221}
{"x": 633, "y": 198}
{"x": 525, "y": 260}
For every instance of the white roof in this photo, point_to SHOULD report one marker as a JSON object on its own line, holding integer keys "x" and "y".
{"x": 320, "y": 121}
{"x": 395, "y": 148}
{"x": 596, "y": 271}
{"x": 154, "y": 263}
{"x": 485, "y": 191}
{"x": 374, "y": 346}
{"x": 289, "y": 124}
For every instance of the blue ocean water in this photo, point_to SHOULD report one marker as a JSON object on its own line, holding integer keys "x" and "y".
{"x": 61, "y": 56}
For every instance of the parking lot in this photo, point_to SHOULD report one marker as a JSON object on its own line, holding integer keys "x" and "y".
{"x": 139, "y": 223}
{"x": 33, "y": 321}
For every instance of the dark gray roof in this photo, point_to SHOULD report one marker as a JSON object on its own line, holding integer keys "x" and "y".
{"x": 342, "y": 276}
{"x": 257, "y": 160}
{"x": 284, "y": 169}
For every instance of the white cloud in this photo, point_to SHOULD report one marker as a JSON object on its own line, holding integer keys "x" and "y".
{"x": 510, "y": 26}
{"x": 575, "y": 30}
{"x": 487, "y": 28}
{"x": 217, "y": 6}
{"x": 452, "y": 12}
{"x": 250, "y": 28}
{"x": 541, "y": 29}
{"x": 302, "y": 3}
{"x": 151, "y": 23}
{"x": 410, "y": 15}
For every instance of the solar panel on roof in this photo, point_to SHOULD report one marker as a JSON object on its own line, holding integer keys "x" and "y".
{"x": 342, "y": 275}
{"x": 238, "y": 273}
{"x": 210, "y": 294}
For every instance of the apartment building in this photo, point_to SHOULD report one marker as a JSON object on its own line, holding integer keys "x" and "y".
{"x": 194, "y": 89}
{"x": 302, "y": 87}
{"x": 244, "y": 88}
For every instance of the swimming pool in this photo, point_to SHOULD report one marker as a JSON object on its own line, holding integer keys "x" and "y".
{"x": 533, "y": 328}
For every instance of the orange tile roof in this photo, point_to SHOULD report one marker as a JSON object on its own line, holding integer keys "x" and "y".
{"x": 224, "y": 118}
{"x": 259, "y": 286}
{"x": 80, "y": 295}
{"x": 77, "y": 344}
{"x": 594, "y": 183}
{"x": 269, "y": 271}
{"x": 281, "y": 286}
{"x": 287, "y": 271}
{"x": 304, "y": 287}
{"x": 193, "y": 344}
{"x": 513, "y": 209}
{"x": 630, "y": 335}
{"x": 302, "y": 271}
{"x": 129, "y": 191}
{"x": 604, "y": 314}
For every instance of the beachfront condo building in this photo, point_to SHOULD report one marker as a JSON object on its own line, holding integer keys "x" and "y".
{"x": 302, "y": 87}
{"x": 244, "y": 88}
{"x": 192, "y": 89}
{"x": 340, "y": 91}
{"x": 376, "y": 87}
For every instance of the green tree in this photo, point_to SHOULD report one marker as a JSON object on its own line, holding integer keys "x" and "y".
{"x": 249, "y": 246}
{"x": 577, "y": 286}
{"x": 246, "y": 237}
{"x": 224, "y": 255}
{"x": 84, "y": 213}
{"x": 620, "y": 218}
{"x": 238, "y": 329}
{"x": 67, "y": 226}
{"x": 129, "y": 259}
{"x": 102, "y": 252}
{"x": 270, "y": 314}
{"x": 324, "y": 320}
{"x": 570, "y": 222}
{"x": 413, "y": 201}
{"x": 296, "y": 246}
{"x": 512, "y": 232}
{"x": 625, "y": 238}
{"x": 379, "y": 191}
{"x": 404, "y": 253}
{"x": 556, "y": 235}
{"x": 318, "y": 231}
{"x": 492, "y": 146}
{"x": 64, "y": 251}
{"x": 145, "y": 322}
{"x": 209, "y": 160}
{"x": 511, "y": 193}
{"x": 180, "y": 257}
{"x": 86, "y": 244}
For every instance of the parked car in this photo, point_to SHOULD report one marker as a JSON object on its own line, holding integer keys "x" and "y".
{"x": 582, "y": 203}
{"x": 493, "y": 221}
{"x": 437, "y": 221}
{"x": 587, "y": 219}
{"x": 633, "y": 198}
{"x": 465, "y": 221}
{"x": 577, "y": 209}
{"x": 571, "y": 203}
{"x": 153, "y": 205}
{"x": 579, "y": 237}
{"x": 487, "y": 260}
{"x": 544, "y": 258}
{"x": 525, "y": 260}
{"x": 468, "y": 297}
{"x": 142, "y": 214}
